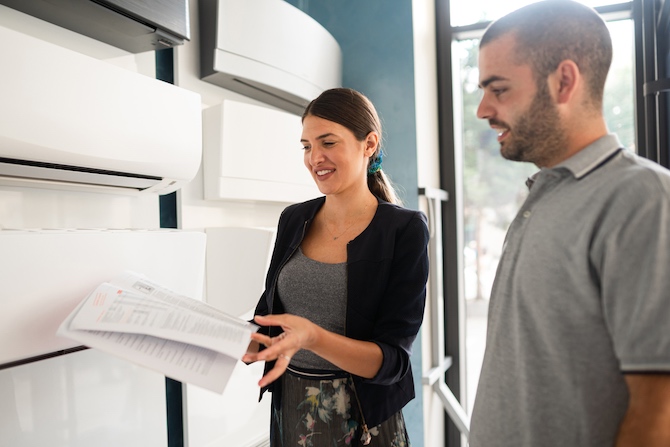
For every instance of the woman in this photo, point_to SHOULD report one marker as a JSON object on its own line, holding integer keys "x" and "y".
{"x": 345, "y": 291}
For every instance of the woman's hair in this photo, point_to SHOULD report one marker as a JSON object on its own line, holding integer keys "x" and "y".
{"x": 356, "y": 112}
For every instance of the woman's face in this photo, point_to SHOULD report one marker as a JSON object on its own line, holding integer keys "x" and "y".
{"x": 336, "y": 160}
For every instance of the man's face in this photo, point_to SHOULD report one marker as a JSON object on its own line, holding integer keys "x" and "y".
{"x": 524, "y": 115}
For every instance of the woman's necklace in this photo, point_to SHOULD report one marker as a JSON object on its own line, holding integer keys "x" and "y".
{"x": 349, "y": 227}
{"x": 339, "y": 235}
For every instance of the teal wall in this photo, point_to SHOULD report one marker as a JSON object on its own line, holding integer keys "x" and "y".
{"x": 376, "y": 39}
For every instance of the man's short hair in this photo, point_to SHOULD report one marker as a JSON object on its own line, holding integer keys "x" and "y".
{"x": 551, "y": 31}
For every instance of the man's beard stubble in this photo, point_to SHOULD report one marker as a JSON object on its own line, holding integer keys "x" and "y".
{"x": 537, "y": 135}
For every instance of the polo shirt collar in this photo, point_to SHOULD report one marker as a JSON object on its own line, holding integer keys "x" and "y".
{"x": 586, "y": 160}
{"x": 592, "y": 156}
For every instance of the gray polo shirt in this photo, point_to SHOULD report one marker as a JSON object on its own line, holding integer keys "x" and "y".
{"x": 582, "y": 294}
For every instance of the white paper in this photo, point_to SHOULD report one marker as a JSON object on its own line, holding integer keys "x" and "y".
{"x": 180, "y": 337}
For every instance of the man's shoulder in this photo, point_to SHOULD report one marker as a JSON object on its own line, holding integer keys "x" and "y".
{"x": 628, "y": 185}
{"x": 638, "y": 173}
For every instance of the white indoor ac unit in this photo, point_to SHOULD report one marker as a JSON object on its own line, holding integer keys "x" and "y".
{"x": 133, "y": 25}
{"x": 266, "y": 168}
{"x": 268, "y": 50}
{"x": 70, "y": 121}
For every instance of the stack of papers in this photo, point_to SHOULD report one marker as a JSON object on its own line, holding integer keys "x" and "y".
{"x": 180, "y": 337}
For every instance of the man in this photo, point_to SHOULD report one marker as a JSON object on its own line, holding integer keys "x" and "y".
{"x": 578, "y": 344}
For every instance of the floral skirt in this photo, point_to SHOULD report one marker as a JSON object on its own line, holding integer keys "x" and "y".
{"x": 322, "y": 411}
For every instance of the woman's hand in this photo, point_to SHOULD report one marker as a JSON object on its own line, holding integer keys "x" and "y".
{"x": 299, "y": 333}
{"x": 253, "y": 348}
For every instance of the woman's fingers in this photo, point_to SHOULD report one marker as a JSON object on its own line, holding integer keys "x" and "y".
{"x": 281, "y": 358}
{"x": 273, "y": 348}
{"x": 280, "y": 348}
{"x": 265, "y": 340}
{"x": 277, "y": 371}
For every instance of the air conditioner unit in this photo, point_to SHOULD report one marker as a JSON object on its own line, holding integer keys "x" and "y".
{"x": 132, "y": 25}
{"x": 268, "y": 50}
{"x": 68, "y": 120}
{"x": 253, "y": 153}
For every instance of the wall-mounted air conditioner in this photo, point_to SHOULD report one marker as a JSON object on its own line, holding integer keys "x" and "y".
{"x": 268, "y": 50}
{"x": 253, "y": 153}
{"x": 68, "y": 120}
{"x": 133, "y": 25}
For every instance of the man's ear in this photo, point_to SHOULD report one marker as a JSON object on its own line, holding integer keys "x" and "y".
{"x": 565, "y": 81}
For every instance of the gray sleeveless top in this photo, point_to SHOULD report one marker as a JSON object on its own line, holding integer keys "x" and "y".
{"x": 318, "y": 292}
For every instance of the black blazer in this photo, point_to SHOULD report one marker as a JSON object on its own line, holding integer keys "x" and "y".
{"x": 387, "y": 270}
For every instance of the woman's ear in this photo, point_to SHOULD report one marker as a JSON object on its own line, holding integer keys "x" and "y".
{"x": 371, "y": 143}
